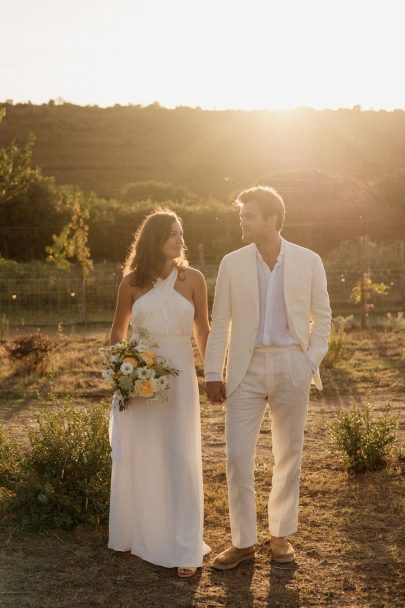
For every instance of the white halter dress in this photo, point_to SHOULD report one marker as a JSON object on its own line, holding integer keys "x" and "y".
{"x": 156, "y": 504}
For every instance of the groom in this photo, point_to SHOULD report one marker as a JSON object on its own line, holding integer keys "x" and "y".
{"x": 272, "y": 305}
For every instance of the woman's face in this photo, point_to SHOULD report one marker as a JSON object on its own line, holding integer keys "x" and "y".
{"x": 172, "y": 248}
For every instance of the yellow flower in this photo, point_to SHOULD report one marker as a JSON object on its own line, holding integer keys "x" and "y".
{"x": 145, "y": 389}
{"x": 132, "y": 361}
{"x": 147, "y": 357}
{"x": 117, "y": 375}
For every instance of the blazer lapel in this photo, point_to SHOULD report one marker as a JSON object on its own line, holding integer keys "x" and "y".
{"x": 249, "y": 274}
{"x": 294, "y": 272}
{"x": 288, "y": 274}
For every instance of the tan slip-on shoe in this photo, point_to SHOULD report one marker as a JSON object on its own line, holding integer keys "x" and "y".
{"x": 282, "y": 550}
{"x": 232, "y": 557}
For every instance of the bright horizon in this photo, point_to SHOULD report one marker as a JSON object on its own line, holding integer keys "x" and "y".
{"x": 266, "y": 54}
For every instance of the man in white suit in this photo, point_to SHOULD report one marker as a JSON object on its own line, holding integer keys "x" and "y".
{"x": 271, "y": 319}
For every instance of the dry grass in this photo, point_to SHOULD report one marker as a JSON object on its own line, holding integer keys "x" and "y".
{"x": 351, "y": 542}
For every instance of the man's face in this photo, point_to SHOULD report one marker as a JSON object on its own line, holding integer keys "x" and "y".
{"x": 255, "y": 227}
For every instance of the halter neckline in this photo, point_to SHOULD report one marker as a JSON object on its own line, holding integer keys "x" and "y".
{"x": 174, "y": 269}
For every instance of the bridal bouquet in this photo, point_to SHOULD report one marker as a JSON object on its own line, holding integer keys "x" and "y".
{"x": 134, "y": 369}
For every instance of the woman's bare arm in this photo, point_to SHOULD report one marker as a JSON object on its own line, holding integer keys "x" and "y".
{"x": 123, "y": 311}
{"x": 201, "y": 323}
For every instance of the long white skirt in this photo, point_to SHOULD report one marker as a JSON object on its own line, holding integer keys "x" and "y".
{"x": 156, "y": 504}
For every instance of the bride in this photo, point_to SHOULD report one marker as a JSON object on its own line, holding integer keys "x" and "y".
{"x": 156, "y": 504}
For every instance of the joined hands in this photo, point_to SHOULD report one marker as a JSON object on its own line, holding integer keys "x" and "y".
{"x": 216, "y": 391}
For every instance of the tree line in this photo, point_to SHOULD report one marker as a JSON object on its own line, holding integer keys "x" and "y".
{"x": 323, "y": 208}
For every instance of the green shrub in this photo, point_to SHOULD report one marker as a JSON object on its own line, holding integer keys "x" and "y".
{"x": 363, "y": 441}
{"x": 336, "y": 349}
{"x": 30, "y": 352}
{"x": 10, "y": 461}
{"x": 337, "y": 340}
{"x": 66, "y": 473}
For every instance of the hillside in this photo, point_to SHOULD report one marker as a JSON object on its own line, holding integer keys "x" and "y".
{"x": 210, "y": 152}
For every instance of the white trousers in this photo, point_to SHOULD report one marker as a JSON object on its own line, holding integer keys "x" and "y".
{"x": 281, "y": 377}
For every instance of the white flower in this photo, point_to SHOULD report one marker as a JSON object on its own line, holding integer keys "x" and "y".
{"x": 126, "y": 368}
{"x": 162, "y": 361}
{"x": 114, "y": 358}
{"x": 134, "y": 392}
{"x": 107, "y": 374}
{"x": 162, "y": 383}
{"x": 142, "y": 346}
{"x": 143, "y": 373}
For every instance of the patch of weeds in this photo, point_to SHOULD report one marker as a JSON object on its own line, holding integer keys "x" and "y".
{"x": 337, "y": 347}
{"x": 363, "y": 441}
{"x": 10, "y": 461}
{"x": 30, "y": 353}
{"x": 64, "y": 477}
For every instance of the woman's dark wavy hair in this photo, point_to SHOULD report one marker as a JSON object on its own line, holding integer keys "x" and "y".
{"x": 145, "y": 260}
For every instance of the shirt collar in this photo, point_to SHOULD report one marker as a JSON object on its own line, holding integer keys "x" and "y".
{"x": 280, "y": 255}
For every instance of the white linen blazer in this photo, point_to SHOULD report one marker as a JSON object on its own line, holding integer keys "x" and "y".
{"x": 235, "y": 313}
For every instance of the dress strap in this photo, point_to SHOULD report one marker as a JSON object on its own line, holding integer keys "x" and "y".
{"x": 163, "y": 287}
{"x": 170, "y": 280}
{"x": 160, "y": 291}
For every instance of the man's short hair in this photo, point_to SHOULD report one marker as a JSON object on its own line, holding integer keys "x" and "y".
{"x": 268, "y": 200}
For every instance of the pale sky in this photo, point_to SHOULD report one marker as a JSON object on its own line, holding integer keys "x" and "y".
{"x": 216, "y": 54}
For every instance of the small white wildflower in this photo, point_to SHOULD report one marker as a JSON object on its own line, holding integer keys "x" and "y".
{"x": 162, "y": 383}
{"x": 126, "y": 368}
{"x": 143, "y": 373}
{"x": 162, "y": 361}
{"x": 142, "y": 346}
{"x": 107, "y": 374}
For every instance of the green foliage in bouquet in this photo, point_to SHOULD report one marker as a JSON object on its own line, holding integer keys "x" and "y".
{"x": 65, "y": 475}
{"x": 363, "y": 441}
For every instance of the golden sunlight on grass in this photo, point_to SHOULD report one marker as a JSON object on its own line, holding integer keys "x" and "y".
{"x": 350, "y": 547}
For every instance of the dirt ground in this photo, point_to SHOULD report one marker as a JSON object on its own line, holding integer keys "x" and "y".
{"x": 350, "y": 548}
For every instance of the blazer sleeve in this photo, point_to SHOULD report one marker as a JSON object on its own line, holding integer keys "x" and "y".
{"x": 218, "y": 338}
{"x": 321, "y": 314}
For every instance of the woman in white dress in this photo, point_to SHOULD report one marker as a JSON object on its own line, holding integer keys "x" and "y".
{"x": 156, "y": 505}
